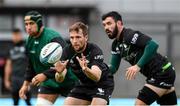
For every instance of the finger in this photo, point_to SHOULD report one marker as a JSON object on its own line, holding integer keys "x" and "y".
{"x": 131, "y": 75}
{"x": 82, "y": 56}
{"x": 22, "y": 95}
{"x": 78, "y": 59}
{"x": 35, "y": 81}
{"x": 128, "y": 74}
{"x": 65, "y": 63}
{"x": 38, "y": 84}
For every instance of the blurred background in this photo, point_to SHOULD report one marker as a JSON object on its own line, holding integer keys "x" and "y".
{"x": 159, "y": 19}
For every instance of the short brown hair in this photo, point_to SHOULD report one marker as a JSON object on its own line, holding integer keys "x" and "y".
{"x": 77, "y": 26}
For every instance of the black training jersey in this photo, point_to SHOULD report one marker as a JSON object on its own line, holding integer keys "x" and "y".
{"x": 94, "y": 56}
{"x": 130, "y": 46}
{"x": 19, "y": 60}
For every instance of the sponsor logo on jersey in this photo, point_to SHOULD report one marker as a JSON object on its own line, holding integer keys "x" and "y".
{"x": 32, "y": 51}
{"x": 134, "y": 39}
{"x": 98, "y": 57}
{"x": 165, "y": 84}
{"x": 100, "y": 91}
{"x": 36, "y": 42}
{"x": 152, "y": 80}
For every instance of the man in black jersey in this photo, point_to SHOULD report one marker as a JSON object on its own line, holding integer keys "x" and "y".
{"x": 14, "y": 70}
{"x": 86, "y": 61}
{"x": 141, "y": 52}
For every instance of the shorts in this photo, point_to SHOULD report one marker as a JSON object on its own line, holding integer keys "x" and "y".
{"x": 50, "y": 90}
{"x": 162, "y": 74}
{"x": 88, "y": 93}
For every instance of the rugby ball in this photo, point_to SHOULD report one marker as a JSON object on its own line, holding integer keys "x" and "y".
{"x": 51, "y": 53}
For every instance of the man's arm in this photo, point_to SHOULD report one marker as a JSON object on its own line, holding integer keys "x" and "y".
{"x": 7, "y": 74}
{"x": 114, "y": 63}
{"x": 93, "y": 73}
{"x": 150, "y": 49}
{"x": 50, "y": 73}
{"x": 30, "y": 73}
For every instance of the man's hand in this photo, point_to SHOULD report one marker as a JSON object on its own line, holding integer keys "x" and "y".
{"x": 82, "y": 62}
{"x": 132, "y": 71}
{"x": 24, "y": 89}
{"x": 38, "y": 79}
{"x": 7, "y": 84}
{"x": 60, "y": 66}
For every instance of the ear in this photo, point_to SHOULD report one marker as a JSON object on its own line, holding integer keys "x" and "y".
{"x": 119, "y": 23}
{"x": 86, "y": 37}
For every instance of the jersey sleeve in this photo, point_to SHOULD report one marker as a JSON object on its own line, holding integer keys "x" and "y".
{"x": 64, "y": 55}
{"x": 30, "y": 73}
{"x": 137, "y": 38}
{"x": 97, "y": 57}
{"x": 59, "y": 40}
{"x": 115, "y": 58}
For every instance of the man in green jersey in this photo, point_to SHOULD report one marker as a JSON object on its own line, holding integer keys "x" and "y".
{"x": 38, "y": 73}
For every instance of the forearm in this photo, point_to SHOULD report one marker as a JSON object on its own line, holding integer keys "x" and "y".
{"x": 8, "y": 70}
{"x": 94, "y": 73}
{"x": 115, "y": 63}
{"x": 26, "y": 83}
{"x": 149, "y": 51}
{"x": 50, "y": 73}
{"x": 30, "y": 73}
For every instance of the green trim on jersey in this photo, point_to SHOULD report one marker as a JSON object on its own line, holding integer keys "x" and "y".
{"x": 34, "y": 46}
{"x": 115, "y": 63}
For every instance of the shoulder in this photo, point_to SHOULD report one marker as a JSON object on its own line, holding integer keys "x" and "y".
{"x": 94, "y": 49}
{"x": 128, "y": 33}
{"x": 93, "y": 46}
{"x": 51, "y": 33}
{"x": 132, "y": 36}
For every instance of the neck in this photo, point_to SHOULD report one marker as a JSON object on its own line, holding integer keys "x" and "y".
{"x": 82, "y": 49}
{"x": 119, "y": 32}
{"x": 39, "y": 33}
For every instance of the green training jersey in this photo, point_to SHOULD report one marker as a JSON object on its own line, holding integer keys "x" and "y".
{"x": 34, "y": 46}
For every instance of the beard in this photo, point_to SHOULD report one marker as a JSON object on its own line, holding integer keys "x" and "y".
{"x": 80, "y": 49}
{"x": 113, "y": 34}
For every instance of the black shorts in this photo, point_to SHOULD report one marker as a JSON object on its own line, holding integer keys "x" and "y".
{"x": 50, "y": 90}
{"x": 87, "y": 93}
{"x": 163, "y": 79}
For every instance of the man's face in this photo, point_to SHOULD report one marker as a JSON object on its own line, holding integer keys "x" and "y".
{"x": 17, "y": 37}
{"x": 110, "y": 27}
{"x": 78, "y": 40}
{"x": 31, "y": 27}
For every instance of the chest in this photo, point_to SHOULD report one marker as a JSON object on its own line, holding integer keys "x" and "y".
{"x": 34, "y": 47}
{"x": 17, "y": 52}
{"x": 126, "y": 51}
{"x": 74, "y": 64}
